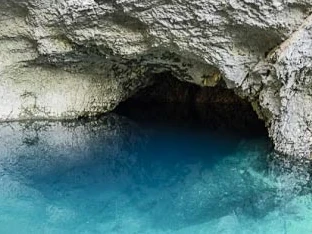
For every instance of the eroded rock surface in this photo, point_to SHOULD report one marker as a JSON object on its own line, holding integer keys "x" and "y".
{"x": 68, "y": 58}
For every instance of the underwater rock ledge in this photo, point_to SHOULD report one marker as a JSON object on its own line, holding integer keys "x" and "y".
{"x": 67, "y": 59}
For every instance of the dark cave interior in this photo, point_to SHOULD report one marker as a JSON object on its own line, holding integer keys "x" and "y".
{"x": 169, "y": 101}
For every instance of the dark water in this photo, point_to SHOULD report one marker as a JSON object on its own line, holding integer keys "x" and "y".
{"x": 116, "y": 176}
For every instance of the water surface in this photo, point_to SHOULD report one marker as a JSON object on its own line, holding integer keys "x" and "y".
{"x": 116, "y": 176}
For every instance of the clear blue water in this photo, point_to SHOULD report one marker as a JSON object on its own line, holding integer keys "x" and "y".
{"x": 116, "y": 176}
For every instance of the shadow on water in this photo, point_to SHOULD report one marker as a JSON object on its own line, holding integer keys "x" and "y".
{"x": 120, "y": 177}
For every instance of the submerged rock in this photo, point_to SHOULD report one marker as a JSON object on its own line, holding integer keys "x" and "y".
{"x": 65, "y": 59}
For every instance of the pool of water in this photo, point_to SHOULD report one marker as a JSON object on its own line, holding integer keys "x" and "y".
{"x": 116, "y": 176}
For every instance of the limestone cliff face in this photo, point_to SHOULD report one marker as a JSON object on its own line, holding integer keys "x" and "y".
{"x": 67, "y": 58}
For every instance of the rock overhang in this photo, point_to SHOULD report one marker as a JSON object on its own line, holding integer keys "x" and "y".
{"x": 65, "y": 59}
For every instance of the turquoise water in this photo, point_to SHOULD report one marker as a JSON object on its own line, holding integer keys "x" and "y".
{"x": 116, "y": 176}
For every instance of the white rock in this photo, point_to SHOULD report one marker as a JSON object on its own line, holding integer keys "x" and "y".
{"x": 63, "y": 59}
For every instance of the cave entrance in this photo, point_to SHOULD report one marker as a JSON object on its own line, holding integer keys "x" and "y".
{"x": 170, "y": 101}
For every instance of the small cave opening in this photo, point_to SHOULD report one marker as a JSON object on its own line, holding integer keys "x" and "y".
{"x": 171, "y": 102}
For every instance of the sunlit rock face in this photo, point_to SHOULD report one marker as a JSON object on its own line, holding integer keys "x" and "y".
{"x": 65, "y": 59}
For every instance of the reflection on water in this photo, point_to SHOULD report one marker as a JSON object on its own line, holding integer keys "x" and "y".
{"x": 115, "y": 176}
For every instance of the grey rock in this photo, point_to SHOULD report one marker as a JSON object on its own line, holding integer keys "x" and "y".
{"x": 68, "y": 58}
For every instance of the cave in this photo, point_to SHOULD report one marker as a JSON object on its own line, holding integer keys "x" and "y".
{"x": 158, "y": 116}
{"x": 171, "y": 102}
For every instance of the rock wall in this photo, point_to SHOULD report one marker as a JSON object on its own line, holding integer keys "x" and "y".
{"x": 68, "y": 58}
